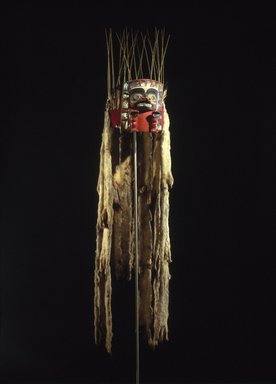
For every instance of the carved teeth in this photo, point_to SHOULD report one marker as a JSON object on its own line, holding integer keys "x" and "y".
{"x": 147, "y": 105}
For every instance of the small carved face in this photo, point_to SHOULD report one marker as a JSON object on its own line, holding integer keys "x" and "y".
{"x": 144, "y": 94}
{"x": 141, "y": 96}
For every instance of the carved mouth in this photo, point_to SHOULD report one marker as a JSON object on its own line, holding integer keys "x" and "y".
{"x": 144, "y": 105}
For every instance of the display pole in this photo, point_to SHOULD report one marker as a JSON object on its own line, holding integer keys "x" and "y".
{"x": 136, "y": 256}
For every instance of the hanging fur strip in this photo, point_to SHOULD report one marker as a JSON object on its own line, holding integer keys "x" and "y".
{"x": 115, "y": 243}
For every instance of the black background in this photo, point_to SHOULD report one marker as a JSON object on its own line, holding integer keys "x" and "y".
{"x": 220, "y": 75}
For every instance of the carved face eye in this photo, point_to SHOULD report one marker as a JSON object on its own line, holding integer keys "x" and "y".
{"x": 152, "y": 97}
{"x": 135, "y": 97}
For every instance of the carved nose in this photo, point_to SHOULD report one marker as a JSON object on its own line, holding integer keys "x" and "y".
{"x": 143, "y": 99}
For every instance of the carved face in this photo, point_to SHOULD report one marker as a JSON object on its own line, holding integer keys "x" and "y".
{"x": 142, "y": 97}
{"x": 143, "y": 100}
{"x": 145, "y": 95}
